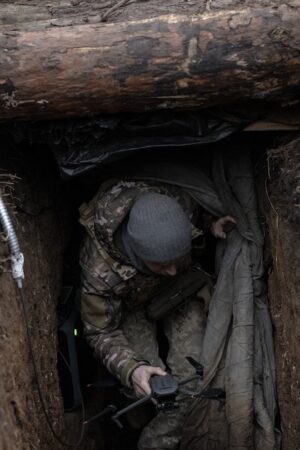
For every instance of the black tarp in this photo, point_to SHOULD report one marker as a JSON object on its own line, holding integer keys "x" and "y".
{"x": 80, "y": 145}
{"x": 107, "y": 139}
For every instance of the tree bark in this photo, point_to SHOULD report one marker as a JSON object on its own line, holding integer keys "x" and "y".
{"x": 164, "y": 62}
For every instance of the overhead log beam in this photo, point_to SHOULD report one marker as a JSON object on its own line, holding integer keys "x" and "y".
{"x": 164, "y": 62}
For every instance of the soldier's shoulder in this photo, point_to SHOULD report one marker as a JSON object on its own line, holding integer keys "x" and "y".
{"x": 101, "y": 269}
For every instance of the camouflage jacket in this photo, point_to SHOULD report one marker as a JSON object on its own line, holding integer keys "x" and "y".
{"x": 110, "y": 283}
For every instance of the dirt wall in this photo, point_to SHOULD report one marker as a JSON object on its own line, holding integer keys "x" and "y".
{"x": 39, "y": 223}
{"x": 283, "y": 192}
{"x": 42, "y": 219}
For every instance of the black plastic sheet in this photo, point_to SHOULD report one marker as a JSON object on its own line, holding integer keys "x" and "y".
{"x": 84, "y": 145}
{"x": 80, "y": 145}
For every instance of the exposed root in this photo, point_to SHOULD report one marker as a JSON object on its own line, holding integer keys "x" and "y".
{"x": 7, "y": 188}
{"x": 277, "y": 224}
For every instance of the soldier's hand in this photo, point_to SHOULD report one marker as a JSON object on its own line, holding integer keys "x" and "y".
{"x": 222, "y": 226}
{"x": 140, "y": 379}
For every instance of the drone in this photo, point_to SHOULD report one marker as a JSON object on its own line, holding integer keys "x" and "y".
{"x": 164, "y": 391}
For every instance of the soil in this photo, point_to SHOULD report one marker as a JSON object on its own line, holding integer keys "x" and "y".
{"x": 42, "y": 219}
{"x": 284, "y": 282}
{"x": 41, "y": 230}
{"x": 43, "y": 215}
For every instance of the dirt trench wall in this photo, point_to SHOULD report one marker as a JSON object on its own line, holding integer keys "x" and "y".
{"x": 40, "y": 229}
{"x": 42, "y": 225}
{"x": 284, "y": 283}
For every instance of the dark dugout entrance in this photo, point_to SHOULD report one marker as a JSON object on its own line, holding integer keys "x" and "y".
{"x": 60, "y": 68}
{"x": 47, "y": 170}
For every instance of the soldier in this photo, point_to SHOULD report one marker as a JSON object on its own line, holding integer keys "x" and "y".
{"x": 139, "y": 236}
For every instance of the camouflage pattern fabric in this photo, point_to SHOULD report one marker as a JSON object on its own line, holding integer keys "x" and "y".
{"x": 110, "y": 284}
{"x": 114, "y": 298}
{"x": 184, "y": 329}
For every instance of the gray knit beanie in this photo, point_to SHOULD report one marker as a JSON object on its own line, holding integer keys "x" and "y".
{"x": 158, "y": 229}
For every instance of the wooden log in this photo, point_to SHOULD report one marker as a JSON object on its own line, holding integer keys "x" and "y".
{"x": 165, "y": 62}
{"x": 19, "y": 14}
